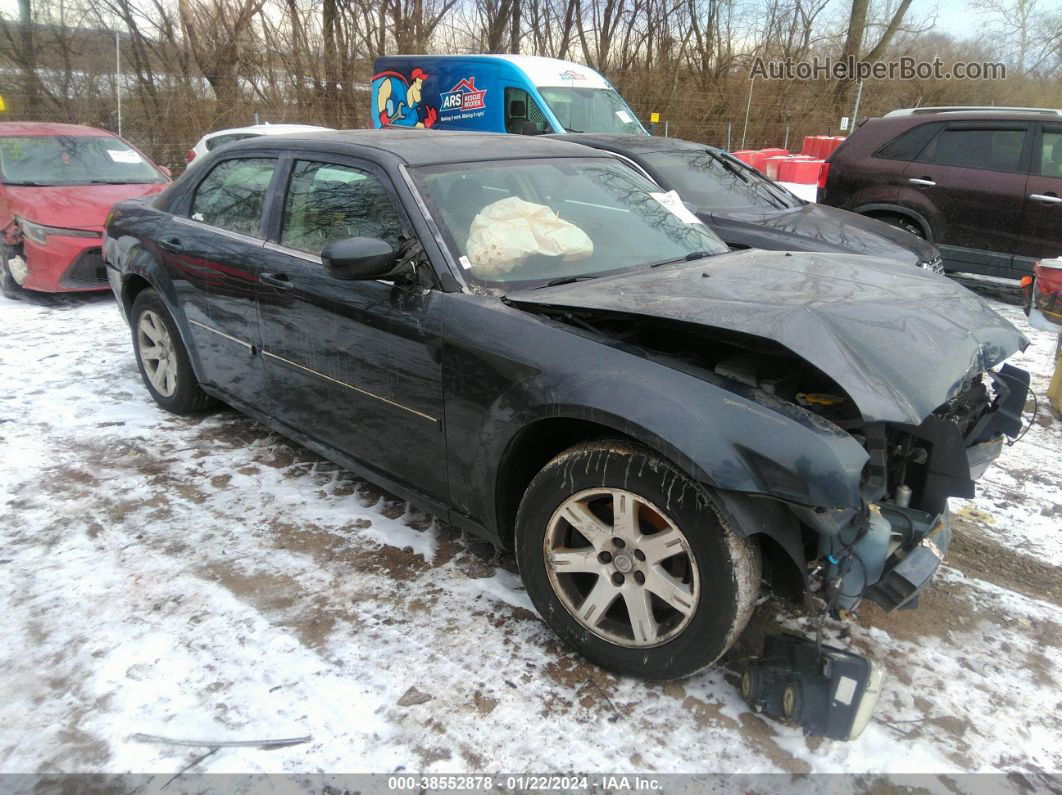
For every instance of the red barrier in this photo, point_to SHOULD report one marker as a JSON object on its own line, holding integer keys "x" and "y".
{"x": 804, "y": 171}
{"x": 772, "y": 164}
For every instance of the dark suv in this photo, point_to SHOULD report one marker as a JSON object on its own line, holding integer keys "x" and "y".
{"x": 984, "y": 185}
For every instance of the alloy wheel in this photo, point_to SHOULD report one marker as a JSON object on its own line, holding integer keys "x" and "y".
{"x": 621, "y": 567}
{"x": 157, "y": 353}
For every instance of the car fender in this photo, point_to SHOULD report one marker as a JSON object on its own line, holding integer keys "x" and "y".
{"x": 135, "y": 259}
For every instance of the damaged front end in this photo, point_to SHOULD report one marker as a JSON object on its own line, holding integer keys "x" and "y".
{"x": 889, "y": 551}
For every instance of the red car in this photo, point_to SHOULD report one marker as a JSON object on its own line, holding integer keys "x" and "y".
{"x": 57, "y": 184}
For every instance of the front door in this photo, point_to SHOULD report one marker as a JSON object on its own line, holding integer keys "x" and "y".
{"x": 353, "y": 364}
{"x": 1041, "y": 223}
{"x": 213, "y": 253}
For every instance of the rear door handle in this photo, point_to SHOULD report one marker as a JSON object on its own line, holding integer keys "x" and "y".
{"x": 278, "y": 280}
{"x": 1046, "y": 198}
{"x": 922, "y": 181}
{"x": 172, "y": 244}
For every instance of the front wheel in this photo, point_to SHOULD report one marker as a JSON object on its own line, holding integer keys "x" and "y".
{"x": 162, "y": 358}
{"x": 627, "y": 560}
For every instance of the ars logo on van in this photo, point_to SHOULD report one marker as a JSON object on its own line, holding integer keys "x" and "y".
{"x": 464, "y": 96}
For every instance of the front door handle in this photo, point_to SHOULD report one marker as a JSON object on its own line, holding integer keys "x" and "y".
{"x": 1046, "y": 198}
{"x": 924, "y": 181}
{"x": 172, "y": 244}
{"x": 278, "y": 280}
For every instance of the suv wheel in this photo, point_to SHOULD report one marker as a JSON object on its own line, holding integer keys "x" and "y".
{"x": 626, "y": 559}
{"x": 906, "y": 224}
{"x": 162, "y": 358}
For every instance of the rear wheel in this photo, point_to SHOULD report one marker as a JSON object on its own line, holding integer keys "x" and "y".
{"x": 626, "y": 559}
{"x": 162, "y": 358}
{"x": 906, "y": 224}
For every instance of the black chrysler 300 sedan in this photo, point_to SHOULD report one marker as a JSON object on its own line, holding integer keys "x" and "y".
{"x": 529, "y": 339}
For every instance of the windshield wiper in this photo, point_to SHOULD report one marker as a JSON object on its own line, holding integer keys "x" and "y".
{"x": 567, "y": 280}
{"x": 569, "y": 129}
{"x": 29, "y": 183}
{"x": 688, "y": 258}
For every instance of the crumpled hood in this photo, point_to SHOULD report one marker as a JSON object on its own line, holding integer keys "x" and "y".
{"x": 73, "y": 206}
{"x": 815, "y": 227}
{"x": 899, "y": 341}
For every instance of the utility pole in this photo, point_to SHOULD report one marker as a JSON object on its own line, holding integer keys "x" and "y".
{"x": 855, "y": 110}
{"x": 748, "y": 107}
{"x": 118, "y": 77}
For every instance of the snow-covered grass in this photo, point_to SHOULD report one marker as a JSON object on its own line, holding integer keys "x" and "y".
{"x": 205, "y": 578}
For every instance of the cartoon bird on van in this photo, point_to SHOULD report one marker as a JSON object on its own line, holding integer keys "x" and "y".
{"x": 398, "y": 100}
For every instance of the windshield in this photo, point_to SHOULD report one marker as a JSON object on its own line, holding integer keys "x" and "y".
{"x": 714, "y": 181}
{"x": 598, "y": 110}
{"x": 73, "y": 160}
{"x": 519, "y": 222}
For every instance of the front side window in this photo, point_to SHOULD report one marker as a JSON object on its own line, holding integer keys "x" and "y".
{"x": 1051, "y": 153}
{"x": 597, "y": 110}
{"x": 716, "y": 182}
{"x": 518, "y": 222}
{"x": 232, "y": 196}
{"x": 73, "y": 160}
{"x": 991, "y": 149}
{"x": 327, "y": 202}
{"x": 523, "y": 115}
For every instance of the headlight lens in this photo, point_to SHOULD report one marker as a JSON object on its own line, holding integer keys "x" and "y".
{"x": 39, "y": 233}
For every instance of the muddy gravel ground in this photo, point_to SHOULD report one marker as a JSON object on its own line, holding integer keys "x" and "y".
{"x": 204, "y": 577}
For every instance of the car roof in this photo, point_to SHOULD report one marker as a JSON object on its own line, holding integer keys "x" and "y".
{"x": 992, "y": 109}
{"x": 629, "y": 144}
{"x": 19, "y": 128}
{"x": 424, "y": 147}
{"x": 267, "y": 129}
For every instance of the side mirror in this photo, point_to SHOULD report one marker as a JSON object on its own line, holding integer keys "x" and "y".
{"x": 167, "y": 171}
{"x": 360, "y": 259}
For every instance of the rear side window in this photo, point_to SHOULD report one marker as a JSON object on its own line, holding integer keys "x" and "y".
{"x": 233, "y": 195}
{"x": 990, "y": 148}
{"x": 908, "y": 145}
{"x": 1051, "y": 153}
{"x": 328, "y": 202}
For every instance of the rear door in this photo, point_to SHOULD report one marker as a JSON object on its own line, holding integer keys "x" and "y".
{"x": 969, "y": 182}
{"x": 355, "y": 365}
{"x": 213, "y": 249}
{"x": 1041, "y": 225}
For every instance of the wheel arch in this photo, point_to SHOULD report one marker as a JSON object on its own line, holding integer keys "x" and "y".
{"x": 879, "y": 209}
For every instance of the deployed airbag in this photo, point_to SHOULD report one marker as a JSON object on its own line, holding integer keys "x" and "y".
{"x": 505, "y": 233}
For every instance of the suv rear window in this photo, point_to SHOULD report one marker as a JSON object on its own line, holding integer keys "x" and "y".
{"x": 994, "y": 149}
{"x": 908, "y": 145}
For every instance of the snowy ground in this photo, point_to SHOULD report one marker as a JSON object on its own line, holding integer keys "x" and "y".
{"x": 205, "y": 578}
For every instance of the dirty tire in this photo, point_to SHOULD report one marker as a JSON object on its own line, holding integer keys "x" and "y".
{"x": 187, "y": 397}
{"x": 8, "y": 285}
{"x": 717, "y": 570}
{"x": 905, "y": 224}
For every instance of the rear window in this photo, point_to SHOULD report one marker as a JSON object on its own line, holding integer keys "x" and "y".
{"x": 993, "y": 149}
{"x": 220, "y": 140}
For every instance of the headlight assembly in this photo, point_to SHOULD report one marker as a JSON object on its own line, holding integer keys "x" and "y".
{"x": 39, "y": 233}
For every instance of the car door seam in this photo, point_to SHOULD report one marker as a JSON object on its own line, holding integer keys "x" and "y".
{"x": 349, "y": 386}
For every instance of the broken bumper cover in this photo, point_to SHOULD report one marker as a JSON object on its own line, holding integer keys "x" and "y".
{"x": 908, "y": 573}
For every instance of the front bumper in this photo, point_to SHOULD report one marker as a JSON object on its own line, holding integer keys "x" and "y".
{"x": 64, "y": 265}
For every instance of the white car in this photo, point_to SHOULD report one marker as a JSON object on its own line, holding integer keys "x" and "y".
{"x": 213, "y": 140}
